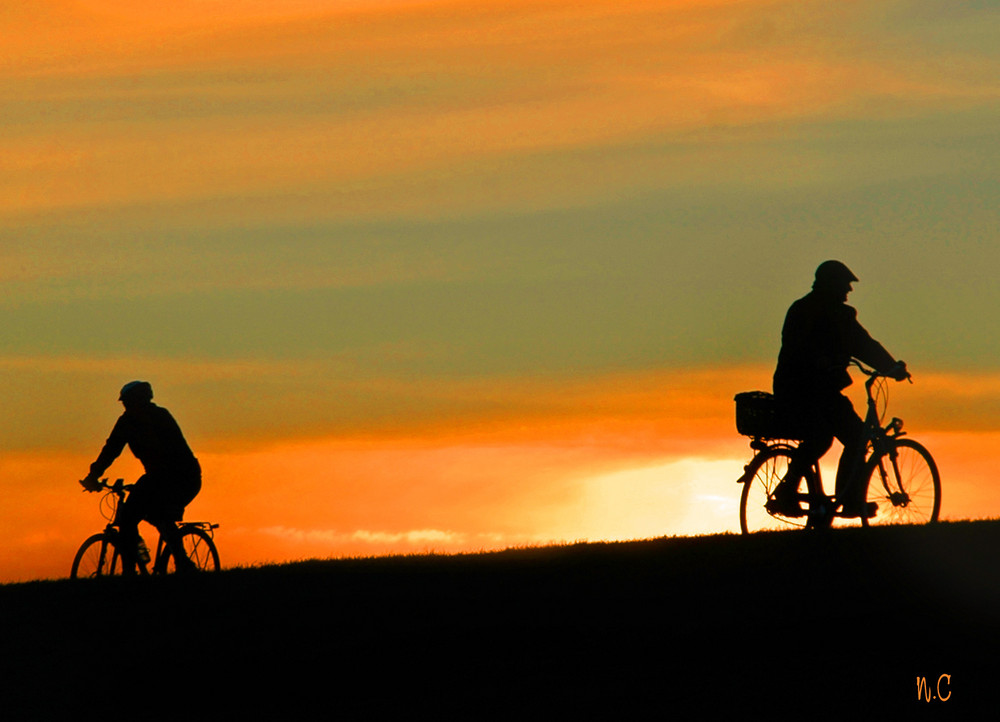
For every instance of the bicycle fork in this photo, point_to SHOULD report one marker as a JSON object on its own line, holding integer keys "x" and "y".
{"x": 894, "y": 492}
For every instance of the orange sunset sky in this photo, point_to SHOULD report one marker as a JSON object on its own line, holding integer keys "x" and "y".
{"x": 456, "y": 275}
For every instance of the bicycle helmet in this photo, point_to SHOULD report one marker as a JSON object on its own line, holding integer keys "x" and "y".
{"x": 834, "y": 272}
{"x": 136, "y": 392}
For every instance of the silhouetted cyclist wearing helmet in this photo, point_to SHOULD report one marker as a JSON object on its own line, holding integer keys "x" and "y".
{"x": 820, "y": 336}
{"x": 171, "y": 481}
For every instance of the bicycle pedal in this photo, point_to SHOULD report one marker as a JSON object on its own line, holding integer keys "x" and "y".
{"x": 791, "y": 510}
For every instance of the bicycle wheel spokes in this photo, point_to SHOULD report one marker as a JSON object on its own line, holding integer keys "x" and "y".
{"x": 97, "y": 557}
{"x": 905, "y": 484}
{"x": 199, "y": 548}
{"x": 766, "y": 470}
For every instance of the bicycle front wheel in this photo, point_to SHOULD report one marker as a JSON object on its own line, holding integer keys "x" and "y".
{"x": 905, "y": 484}
{"x": 200, "y": 549}
{"x": 97, "y": 557}
{"x": 762, "y": 475}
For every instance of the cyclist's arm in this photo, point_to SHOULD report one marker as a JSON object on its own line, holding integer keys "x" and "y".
{"x": 869, "y": 351}
{"x": 113, "y": 448}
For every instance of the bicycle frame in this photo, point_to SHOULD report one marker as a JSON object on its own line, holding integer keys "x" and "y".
{"x": 117, "y": 492}
{"x": 878, "y": 439}
{"x": 879, "y": 462}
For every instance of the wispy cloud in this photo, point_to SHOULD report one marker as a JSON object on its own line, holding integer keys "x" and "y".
{"x": 358, "y": 540}
{"x": 370, "y": 395}
{"x": 369, "y": 112}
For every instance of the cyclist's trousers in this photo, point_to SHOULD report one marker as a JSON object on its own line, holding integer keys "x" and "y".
{"x": 819, "y": 421}
{"x": 158, "y": 498}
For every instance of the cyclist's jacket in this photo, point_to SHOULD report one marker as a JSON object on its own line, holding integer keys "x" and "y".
{"x": 153, "y": 436}
{"x": 818, "y": 340}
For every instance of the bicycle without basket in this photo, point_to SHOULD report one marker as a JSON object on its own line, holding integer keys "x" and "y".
{"x": 899, "y": 474}
{"x": 100, "y": 555}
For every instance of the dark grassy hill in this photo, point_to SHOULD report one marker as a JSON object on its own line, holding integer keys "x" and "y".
{"x": 796, "y": 625}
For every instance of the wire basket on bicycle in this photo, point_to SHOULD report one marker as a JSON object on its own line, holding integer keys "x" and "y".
{"x": 757, "y": 417}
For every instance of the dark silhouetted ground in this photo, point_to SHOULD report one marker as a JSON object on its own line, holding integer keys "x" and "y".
{"x": 795, "y": 625}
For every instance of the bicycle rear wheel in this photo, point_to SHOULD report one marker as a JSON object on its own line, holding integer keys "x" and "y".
{"x": 97, "y": 557}
{"x": 762, "y": 475}
{"x": 905, "y": 484}
{"x": 200, "y": 549}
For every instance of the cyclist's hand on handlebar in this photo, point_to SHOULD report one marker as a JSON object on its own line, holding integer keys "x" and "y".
{"x": 899, "y": 371}
{"x": 91, "y": 483}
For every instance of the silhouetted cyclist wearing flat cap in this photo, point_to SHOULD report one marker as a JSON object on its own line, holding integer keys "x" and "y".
{"x": 820, "y": 336}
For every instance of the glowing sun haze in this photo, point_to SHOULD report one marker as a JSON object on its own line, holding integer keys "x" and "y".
{"x": 460, "y": 275}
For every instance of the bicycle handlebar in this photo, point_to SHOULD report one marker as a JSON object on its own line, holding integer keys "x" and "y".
{"x": 119, "y": 487}
{"x": 874, "y": 373}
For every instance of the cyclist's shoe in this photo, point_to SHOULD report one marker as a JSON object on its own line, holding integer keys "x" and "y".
{"x": 862, "y": 510}
{"x": 785, "y": 502}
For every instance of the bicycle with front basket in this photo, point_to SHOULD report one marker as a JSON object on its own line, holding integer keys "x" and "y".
{"x": 900, "y": 475}
{"x": 100, "y": 555}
